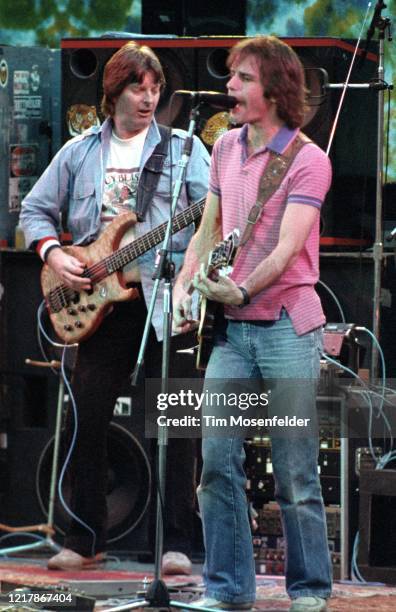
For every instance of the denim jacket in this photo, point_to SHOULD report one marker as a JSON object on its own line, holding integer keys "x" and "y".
{"x": 72, "y": 187}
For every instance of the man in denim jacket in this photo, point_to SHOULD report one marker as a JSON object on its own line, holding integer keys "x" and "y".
{"x": 92, "y": 179}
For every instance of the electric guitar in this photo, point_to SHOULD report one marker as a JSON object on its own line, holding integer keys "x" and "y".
{"x": 220, "y": 262}
{"x": 75, "y": 315}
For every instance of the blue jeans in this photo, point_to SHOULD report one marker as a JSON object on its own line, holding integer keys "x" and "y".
{"x": 271, "y": 351}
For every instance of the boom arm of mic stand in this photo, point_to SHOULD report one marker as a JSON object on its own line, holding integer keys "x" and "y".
{"x": 371, "y": 30}
{"x": 376, "y": 85}
{"x": 157, "y": 595}
{"x": 157, "y": 278}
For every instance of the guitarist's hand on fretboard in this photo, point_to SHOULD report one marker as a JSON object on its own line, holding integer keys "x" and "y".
{"x": 183, "y": 321}
{"x": 220, "y": 289}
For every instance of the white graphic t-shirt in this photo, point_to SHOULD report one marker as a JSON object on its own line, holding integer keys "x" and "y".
{"x": 120, "y": 188}
{"x": 122, "y": 175}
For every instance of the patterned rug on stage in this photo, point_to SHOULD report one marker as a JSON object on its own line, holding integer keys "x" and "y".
{"x": 114, "y": 587}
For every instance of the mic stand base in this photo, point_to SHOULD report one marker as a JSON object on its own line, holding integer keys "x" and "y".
{"x": 157, "y": 597}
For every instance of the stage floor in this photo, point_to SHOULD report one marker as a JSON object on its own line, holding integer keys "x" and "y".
{"x": 118, "y": 580}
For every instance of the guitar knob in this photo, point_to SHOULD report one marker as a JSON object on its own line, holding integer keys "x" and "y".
{"x": 68, "y": 328}
{"x": 82, "y": 308}
{"x": 72, "y": 311}
{"x": 92, "y": 306}
{"x": 78, "y": 324}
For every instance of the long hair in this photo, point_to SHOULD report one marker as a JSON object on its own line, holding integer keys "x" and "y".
{"x": 128, "y": 65}
{"x": 281, "y": 74}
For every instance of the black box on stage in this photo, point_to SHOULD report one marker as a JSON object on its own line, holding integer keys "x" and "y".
{"x": 377, "y": 525}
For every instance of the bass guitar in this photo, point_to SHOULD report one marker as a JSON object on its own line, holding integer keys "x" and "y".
{"x": 75, "y": 315}
{"x": 220, "y": 262}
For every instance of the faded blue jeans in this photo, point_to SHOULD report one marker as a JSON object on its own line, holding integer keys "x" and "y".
{"x": 271, "y": 351}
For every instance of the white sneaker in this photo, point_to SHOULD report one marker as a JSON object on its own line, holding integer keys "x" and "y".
{"x": 308, "y": 604}
{"x": 215, "y": 604}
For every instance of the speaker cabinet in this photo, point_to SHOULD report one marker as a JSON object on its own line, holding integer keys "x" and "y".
{"x": 189, "y": 18}
{"x": 83, "y": 63}
{"x": 349, "y": 211}
{"x": 28, "y": 405}
{"x": 20, "y": 298}
{"x": 200, "y": 64}
{"x": 29, "y": 461}
{"x": 377, "y": 525}
{"x": 129, "y": 492}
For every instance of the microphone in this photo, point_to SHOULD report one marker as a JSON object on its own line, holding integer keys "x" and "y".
{"x": 391, "y": 235}
{"x": 213, "y": 98}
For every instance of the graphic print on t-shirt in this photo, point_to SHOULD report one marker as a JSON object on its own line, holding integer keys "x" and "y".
{"x": 122, "y": 175}
{"x": 119, "y": 195}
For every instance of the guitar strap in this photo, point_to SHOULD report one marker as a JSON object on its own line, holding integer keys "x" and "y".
{"x": 273, "y": 175}
{"x": 151, "y": 173}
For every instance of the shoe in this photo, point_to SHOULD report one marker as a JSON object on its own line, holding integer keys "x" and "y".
{"x": 308, "y": 604}
{"x": 67, "y": 559}
{"x": 176, "y": 563}
{"x": 215, "y": 604}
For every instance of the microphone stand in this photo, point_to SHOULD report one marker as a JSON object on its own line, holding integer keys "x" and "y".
{"x": 157, "y": 595}
{"x": 383, "y": 24}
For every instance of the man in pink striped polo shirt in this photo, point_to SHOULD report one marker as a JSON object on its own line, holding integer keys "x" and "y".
{"x": 271, "y": 330}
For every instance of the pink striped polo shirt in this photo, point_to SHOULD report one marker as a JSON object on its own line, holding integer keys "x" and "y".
{"x": 235, "y": 178}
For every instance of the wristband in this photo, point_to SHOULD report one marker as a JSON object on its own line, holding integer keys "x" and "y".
{"x": 49, "y": 249}
{"x": 246, "y": 297}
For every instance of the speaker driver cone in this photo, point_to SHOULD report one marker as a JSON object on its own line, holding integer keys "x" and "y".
{"x": 129, "y": 484}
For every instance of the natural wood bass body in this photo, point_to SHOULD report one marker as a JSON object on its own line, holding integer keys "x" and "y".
{"x": 75, "y": 315}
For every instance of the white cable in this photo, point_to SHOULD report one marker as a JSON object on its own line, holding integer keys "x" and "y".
{"x": 355, "y": 573}
{"x": 380, "y": 462}
{"x": 62, "y": 373}
{"x": 335, "y": 298}
{"x": 344, "y": 90}
{"x": 375, "y": 340}
{"x": 366, "y": 392}
{"x": 68, "y": 456}
{"x": 15, "y": 534}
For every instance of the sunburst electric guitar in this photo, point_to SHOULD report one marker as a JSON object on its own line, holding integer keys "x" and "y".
{"x": 220, "y": 262}
{"x": 75, "y": 315}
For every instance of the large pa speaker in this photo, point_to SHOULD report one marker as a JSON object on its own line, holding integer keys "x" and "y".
{"x": 348, "y": 215}
{"x": 129, "y": 495}
{"x": 189, "y": 18}
{"x": 200, "y": 64}
{"x": 28, "y": 404}
{"x": 83, "y": 62}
